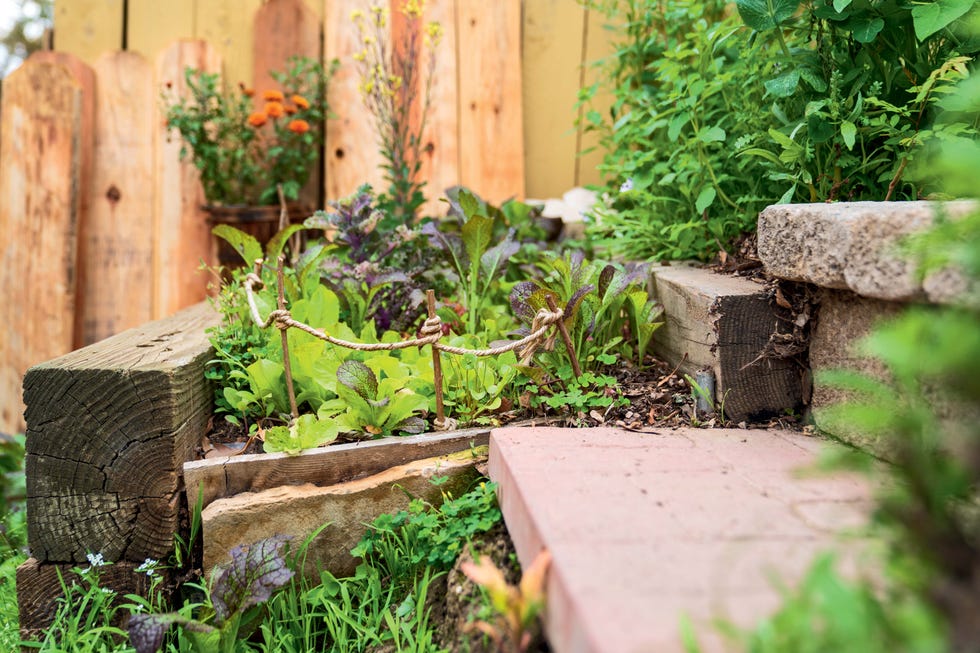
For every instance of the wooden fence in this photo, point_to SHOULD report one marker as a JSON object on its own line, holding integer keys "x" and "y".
{"x": 101, "y": 221}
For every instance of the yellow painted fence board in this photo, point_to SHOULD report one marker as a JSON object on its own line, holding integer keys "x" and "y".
{"x": 88, "y": 28}
{"x": 553, "y": 46}
{"x": 153, "y": 25}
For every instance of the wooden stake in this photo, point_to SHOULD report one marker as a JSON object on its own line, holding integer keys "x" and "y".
{"x": 564, "y": 336}
{"x": 430, "y": 297}
{"x": 281, "y": 304}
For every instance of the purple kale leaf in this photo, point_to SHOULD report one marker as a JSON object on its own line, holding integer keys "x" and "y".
{"x": 254, "y": 574}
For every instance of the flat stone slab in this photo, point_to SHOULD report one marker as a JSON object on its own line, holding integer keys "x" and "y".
{"x": 346, "y": 509}
{"x": 854, "y": 246}
{"x": 646, "y": 528}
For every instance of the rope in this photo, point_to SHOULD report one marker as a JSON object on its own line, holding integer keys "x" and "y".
{"x": 431, "y": 331}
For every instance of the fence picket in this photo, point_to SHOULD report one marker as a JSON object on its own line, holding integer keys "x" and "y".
{"x": 40, "y": 124}
{"x": 118, "y": 264}
{"x": 182, "y": 236}
{"x": 491, "y": 116}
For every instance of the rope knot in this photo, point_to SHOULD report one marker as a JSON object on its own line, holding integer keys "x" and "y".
{"x": 431, "y": 327}
{"x": 281, "y": 318}
{"x": 254, "y": 280}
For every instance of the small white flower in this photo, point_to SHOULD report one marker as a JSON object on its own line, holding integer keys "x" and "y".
{"x": 95, "y": 559}
{"x": 626, "y": 186}
{"x": 148, "y": 567}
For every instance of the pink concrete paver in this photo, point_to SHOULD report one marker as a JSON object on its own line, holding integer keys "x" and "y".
{"x": 645, "y": 528}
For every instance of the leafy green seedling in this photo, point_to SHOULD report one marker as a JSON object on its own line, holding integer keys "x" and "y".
{"x": 516, "y": 608}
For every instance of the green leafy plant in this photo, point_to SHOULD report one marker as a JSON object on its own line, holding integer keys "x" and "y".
{"x": 517, "y": 608}
{"x": 476, "y": 387}
{"x": 237, "y": 590}
{"x": 402, "y": 544}
{"x": 853, "y": 86}
{"x": 243, "y": 151}
{"x": 475, "y": 261}
{"x": 374, "y": 408}
{"x": 601, "y": 302}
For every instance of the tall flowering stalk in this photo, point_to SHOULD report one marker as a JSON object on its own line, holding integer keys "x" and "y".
{"x": 398, "y": 93}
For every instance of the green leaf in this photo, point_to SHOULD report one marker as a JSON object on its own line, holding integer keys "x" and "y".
{"x": 677, "y": 124}
{"x": 477, "y": 234}
{"x": 469, "y": 203}
{"x": 268, "y": 381}
{"x": 848, "y": 132}
{"x": 358, "y": 377}
{"x": 841, "y": 5}
{"x": 274, "y": 247}
{"x": 929, "y": 18}
{"x": 246, "y": 246}
{"x": 712, "y": 135}
{"x": 705, "y": 198}
{"x": 784, "y": 85}
{"x": 762, "y": 15}
{"x": 865, "y": 29}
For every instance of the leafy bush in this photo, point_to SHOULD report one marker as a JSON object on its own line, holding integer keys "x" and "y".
{"x": 714, "y": 119}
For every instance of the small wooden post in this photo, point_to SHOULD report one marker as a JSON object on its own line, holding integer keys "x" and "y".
{"x": 564, "y": 336}
{"x": 430, "y": 297}
{"x": 281, "y": 305}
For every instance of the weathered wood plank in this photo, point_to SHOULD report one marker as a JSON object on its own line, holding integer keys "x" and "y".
{"x": 108, "y": 427}
{"x": 40, "y": 135}
{"x": 440, "y": 152}
{"x": 88, "y": 28}
{"x": 116, "y": 249}
{"x": 84, "y": 76}
{"x": 553, "y": 46}
{"x": 352, "y": 156}
{"x": 284, "y": 29}
{"x": 722, "y": 323}
{"x": 224, "y": 477}
{"x": 491, "y": 128}
{"x": 39, "y": 588}
{"x": 152, "y": 26}
{"x": 182, "y": 236}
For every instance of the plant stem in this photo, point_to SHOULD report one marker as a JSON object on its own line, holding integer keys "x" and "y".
{"x": 430, "y": 297}
{"x": 281, "y": 305}
{"x": 565, "y": 337}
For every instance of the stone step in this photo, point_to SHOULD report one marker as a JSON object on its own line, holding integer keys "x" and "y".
{"x": 646, "y": 528}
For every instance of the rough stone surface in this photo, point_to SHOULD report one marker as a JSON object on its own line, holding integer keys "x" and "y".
{"x": 845, "y": 319}
{"x": 645, "y": 528}
{"x": 300, "y": 510}
{"x": 854, "y": 246}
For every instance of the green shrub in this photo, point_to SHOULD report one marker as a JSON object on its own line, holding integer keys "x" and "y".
{"x": 718, "y": 114}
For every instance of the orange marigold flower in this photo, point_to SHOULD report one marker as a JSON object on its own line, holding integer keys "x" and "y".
{"x": 290, "y": 109}
{"x": 300, "y": 101}
{"x": 274, "y": 109}
{"x": 257, "y": 119}
{"x": 272, "y": 96}
{"x": 298, "y": 126}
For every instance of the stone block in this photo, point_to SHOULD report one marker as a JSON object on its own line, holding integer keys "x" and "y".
{"x": 347, "y": 508}
{"x": 855, "y": 246}
{"x": 845, "y": 319}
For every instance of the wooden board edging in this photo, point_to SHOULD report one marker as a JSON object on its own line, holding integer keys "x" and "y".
{"x": 223, "y": 477}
